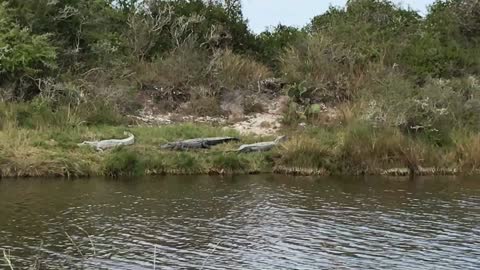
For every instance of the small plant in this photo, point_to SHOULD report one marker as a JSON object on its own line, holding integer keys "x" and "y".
{"x": 252, "y": 105}
{"x": 230, "y": 162}
{"x": 202, "y": 106}
{"x": 123, "y": 162}
{"x": 305, "y": 152}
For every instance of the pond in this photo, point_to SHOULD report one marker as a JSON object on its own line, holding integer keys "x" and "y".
{"x": 241, "y": 222}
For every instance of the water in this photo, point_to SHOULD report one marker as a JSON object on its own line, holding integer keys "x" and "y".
{"x": 244, "y": 222}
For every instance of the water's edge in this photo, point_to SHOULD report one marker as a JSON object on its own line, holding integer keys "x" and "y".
{"x": 279, "y": 170}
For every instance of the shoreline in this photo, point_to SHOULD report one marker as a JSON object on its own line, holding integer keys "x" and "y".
{"x": 53, "y": 152}
{"x": 284, "y": 171}
{"x": 279, "y": 170}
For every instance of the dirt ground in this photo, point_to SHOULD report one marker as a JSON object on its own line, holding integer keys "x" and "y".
{"x": 264, "y": 123}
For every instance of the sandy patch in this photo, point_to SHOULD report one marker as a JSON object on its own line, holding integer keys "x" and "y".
{"x": 266, "y": 123}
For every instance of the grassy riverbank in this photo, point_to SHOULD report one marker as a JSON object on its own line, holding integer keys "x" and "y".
{"x": 361, "y": 89}
{"x": 54, "y": 152}
{"x": 350, "y": 150}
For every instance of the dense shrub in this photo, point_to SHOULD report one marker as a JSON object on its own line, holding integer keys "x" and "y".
{"x": 233, "y": 71}
{"x": 21, "y": 51}
{"x": 375, "y": 30}
{"x": 321, "y": 70}
{"x": 274, "y": 41}
{"x": 366, "y": 150}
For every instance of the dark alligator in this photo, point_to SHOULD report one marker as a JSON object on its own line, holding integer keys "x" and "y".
{"x": 200, "y": 143}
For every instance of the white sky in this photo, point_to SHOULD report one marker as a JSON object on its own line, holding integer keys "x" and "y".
{"x": 265, "y": 13}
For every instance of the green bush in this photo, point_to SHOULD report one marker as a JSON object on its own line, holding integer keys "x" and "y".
{"x": 123, "y": 162}
{"x": 430, "y": 111}
{"x": 446, "y": 45}
{"x": 273, "y": 42}
{"x": 321, "y": 70}
{"x": 21, "y": 52}
{"x": 23, "y": 57}
{"x": 375, "y": 30}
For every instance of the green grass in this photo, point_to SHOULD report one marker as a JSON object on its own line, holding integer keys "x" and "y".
{"x": 29, "y": 152}
{"x": 352, "y": 149}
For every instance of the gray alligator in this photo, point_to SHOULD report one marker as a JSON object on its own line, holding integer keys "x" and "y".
{"x": 261, "y": 146}
{"x": 201, "y": 143}
{"x": 107, "y": 144}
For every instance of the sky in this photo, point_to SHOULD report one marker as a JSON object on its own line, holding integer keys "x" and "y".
{"x": 264, "y": 13}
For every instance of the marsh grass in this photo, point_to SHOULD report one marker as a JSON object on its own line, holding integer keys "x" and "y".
{"x": 466, "y": 152}
{"x": 352, "y": 147}
{"x": 30, "y": 152}
{"x": 309, "y": 152}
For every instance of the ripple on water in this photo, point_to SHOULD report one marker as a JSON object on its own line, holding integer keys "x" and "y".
{"x": 249, "y": 223}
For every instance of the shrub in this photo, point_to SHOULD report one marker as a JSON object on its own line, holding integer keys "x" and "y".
{"x": 368, "y": 150}
{"x": 321, "y": 70}
{"x": 22, "y": 53}
{"x": 467, "y": 151}
{"x": 430, "y": 111}
{"x": 376, "y": 31}
{"x": 123, "y": 162}
{"x": 293, "y": 115}
{"x": 251, "y": 104}
{"x": 274, "y": 41}
{"x": 182, "y": 67}
{"x": 172, "y": 79}
{"x": 202, "y": 106}
{"x": 238, "y": 72}
{"x": 310, "y": 152}
{"x": 446, "y": 45}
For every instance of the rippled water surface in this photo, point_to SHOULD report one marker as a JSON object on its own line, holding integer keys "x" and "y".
{"x": 244, "y": 222}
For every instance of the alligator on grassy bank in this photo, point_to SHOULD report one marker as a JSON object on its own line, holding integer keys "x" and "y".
{"x": 107, "y": 144}
{"x": 261, "y": 146}
{"x": 200, "y": 143}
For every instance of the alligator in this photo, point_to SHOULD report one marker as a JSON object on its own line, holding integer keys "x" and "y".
{"x": 200, "y": 143}
{"x": 107, "y": 144}
{"x": 261, "y": 146}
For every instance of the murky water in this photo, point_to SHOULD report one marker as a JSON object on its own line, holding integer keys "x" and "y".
{"x": 244, "y": 222}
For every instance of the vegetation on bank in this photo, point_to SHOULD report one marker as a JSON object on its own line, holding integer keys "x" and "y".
{"x": 377, "y": 85}
{"x": 354, "y": 149}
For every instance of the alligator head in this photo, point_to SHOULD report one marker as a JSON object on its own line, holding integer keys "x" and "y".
{"x": 168, "y": 146}
{"x": 90, "y": 143}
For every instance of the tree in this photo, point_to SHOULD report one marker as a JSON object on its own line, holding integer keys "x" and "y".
{"x": 274, "y": 41}
{"x": 21, "y": 51}
{"x": 447, "y": 42}
{"x": 377, "y": 30}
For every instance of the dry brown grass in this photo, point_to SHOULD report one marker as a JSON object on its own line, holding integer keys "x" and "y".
{"x": 234, "y": 71}
{"x": 304, "y": 153}
{"x": 184, "y": 66}
{"x": 366, "y": 150}
{"x": 467, "y": 152}
{"x": 329, "y": 71}
{"x": 23, "y": 156}
{"x": 202, "y": 106}
{"x": 190, "y": 75}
